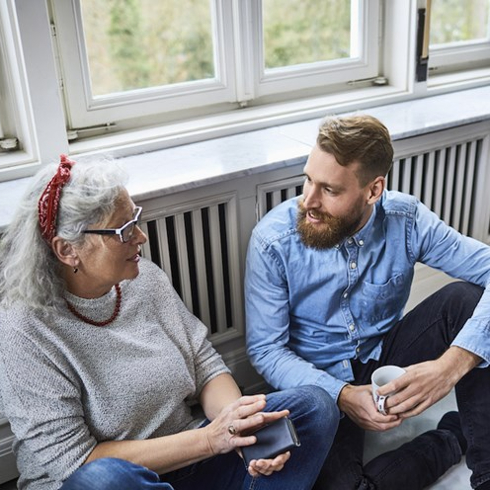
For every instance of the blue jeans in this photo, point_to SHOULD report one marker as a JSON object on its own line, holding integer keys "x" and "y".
{"x": 422, "y": 335}
{"x": 315, "y": 416}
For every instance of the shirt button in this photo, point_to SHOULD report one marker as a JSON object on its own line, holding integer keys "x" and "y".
{"x": 346, "y": 294}
{"x": 353, "y": 265}
{"x": 349, "y": 241}
{"x": 361, "y": 242}
{"x": 352, "y": 327}
{"x": 358, "y": 350}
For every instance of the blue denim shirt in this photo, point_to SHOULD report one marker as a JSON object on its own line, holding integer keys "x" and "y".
{"x": 310, "y": 312}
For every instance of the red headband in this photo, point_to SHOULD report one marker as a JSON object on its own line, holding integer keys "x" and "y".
{"x": 50, "y": 199}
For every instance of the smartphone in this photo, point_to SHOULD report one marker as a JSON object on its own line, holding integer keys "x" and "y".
{"x": 272, "y": 439}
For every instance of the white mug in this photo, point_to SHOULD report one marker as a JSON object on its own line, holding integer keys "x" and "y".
{"x": 380, "y": 377}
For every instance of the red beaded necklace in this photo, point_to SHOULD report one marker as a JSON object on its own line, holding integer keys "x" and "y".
{"x": 93, "y": 322}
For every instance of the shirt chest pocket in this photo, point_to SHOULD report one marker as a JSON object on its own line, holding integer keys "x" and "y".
{"x": 383, "y": 301}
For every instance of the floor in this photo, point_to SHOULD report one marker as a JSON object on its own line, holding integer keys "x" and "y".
{"x": 8, "y": 486}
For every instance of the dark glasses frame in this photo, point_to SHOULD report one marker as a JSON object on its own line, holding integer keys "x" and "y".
{"x": 120, "y": 231}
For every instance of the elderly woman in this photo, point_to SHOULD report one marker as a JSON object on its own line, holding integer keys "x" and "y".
{"x": 99, "y": 358}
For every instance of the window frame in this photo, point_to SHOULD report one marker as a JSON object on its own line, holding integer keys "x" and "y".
{"x": 83, "y": 109}
{"x": 32, "y": 89}
{"x": 43, "y": 124}
{"x": 365, "y": 16}
{"x": 14, "y": 120}
{"x": 449, "y": 57}
{"x": 458, "y": 59}
{"x": 238, "y": 57}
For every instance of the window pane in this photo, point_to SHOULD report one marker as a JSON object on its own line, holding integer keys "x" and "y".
{"x": 305, "y": 31}
{"x": 455, "y": 21}
{"x": 137, "y": 44}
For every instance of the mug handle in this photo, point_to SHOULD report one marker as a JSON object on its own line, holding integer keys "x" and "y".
{"x": 380, "y": 404}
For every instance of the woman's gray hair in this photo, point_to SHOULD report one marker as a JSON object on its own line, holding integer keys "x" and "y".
{"x": 29, "y": 270}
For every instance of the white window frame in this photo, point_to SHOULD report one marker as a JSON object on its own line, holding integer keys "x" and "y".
{"x": 14, "y": 122}
{"x": 86, "y": 110}
{"x": 364, "y": 65}
{"x": 37, "y": 97}
{"x": 458, "y": 61}
{"x": 458, "y": 54}
{"x": 34, "y": 101}
{"x": 238, "y": 58}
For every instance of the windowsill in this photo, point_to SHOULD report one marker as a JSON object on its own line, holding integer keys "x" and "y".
{"x": 171, "y": 170}
{"x": 233, "y": 121}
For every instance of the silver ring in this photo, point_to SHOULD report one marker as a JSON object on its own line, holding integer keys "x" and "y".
{"x": 232, "y": 431}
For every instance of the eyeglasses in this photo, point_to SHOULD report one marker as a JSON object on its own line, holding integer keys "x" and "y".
{"x": 125, "y": 232}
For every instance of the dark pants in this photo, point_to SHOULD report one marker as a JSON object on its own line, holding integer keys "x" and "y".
{"x": 423, "y": 334}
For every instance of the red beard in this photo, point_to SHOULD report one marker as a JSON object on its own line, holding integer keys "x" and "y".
{"x": 329, "y": 232}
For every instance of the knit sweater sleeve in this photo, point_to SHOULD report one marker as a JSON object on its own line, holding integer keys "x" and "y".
{"x": 43, "y": 404}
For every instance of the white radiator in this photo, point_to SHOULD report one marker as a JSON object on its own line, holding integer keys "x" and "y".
{"x": 196, "y": 245}
{"x": 444, "y": 179}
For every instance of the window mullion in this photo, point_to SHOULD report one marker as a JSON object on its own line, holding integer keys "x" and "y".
{"x": 223, "y": 32}
{"x": 246, "y": 48}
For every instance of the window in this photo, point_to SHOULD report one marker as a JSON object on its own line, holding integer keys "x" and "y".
{"x": 139, "y": 58}
{"x": 145, "y": 59}
{"x": 128, "y": 76}
{"x": 307, "y": 44}
{"x": 459, "y": 35}
{"x": 133, "y": 45}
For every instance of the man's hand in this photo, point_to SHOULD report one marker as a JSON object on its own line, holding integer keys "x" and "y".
{"x": 427, "y": 382}
{"x": 357, "y": 403}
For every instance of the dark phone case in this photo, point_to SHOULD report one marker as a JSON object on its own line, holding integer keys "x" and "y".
{"x": 273, "y": 439}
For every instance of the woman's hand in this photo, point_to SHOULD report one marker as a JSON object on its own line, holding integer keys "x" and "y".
{"x": 232, "y": 429}
{"x": 266, "y": 467}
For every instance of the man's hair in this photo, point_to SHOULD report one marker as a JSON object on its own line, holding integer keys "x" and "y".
{"x": 359, "y": 138}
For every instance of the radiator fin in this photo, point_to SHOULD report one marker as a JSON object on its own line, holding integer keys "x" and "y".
{"x": 443, "y": 179}
{"x": 193, "y": 247}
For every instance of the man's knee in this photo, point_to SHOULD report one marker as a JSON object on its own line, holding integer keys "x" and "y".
{"x": 460, "y": 299}
{"x": 463, "y": 290}
{"x": 320, "y": 409}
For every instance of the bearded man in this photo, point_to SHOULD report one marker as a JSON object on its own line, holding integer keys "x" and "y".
{"x": 328, "y": 275}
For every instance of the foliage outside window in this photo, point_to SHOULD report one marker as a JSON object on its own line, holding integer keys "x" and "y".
{"x": 455, "y": 21}
{"x": 297, "y": 32}
{"x": 136, "y": 44}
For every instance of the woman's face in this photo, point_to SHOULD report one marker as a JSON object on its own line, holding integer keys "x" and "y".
{"x": 104, "y": 260}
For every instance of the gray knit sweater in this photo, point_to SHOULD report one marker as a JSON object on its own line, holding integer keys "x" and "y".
{"x": 66, "y": 385}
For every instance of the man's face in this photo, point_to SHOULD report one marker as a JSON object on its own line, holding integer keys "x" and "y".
{"x": 334, "y": 205}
